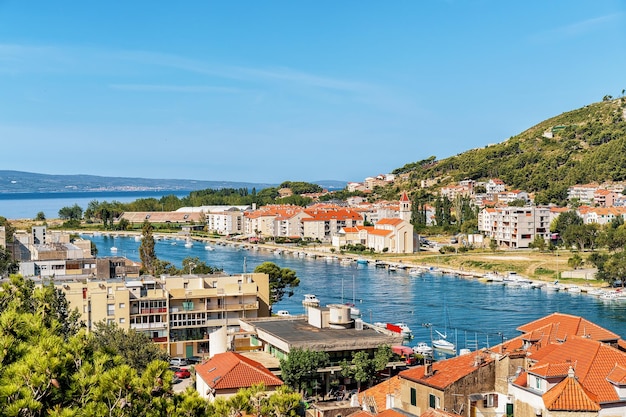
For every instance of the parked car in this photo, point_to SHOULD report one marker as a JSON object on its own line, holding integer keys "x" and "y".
{"x": 179, "y": 361}
{"x": 182, "y": 373}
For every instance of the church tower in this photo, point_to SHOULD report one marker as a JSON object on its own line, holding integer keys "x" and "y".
{"x": 405, "y": 207}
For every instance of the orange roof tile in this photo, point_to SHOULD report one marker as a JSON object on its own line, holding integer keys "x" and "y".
{"x": 569, "y": 395}
{"x": 592, "y": 361}
{"x": 617, "y": 375}
{"x": 392, "y": 222}
{"x": 559, "y": 326}
{"x": 231, "y": 370}
{"x": 378, "y": 393}
{"x": 447, "y": 371}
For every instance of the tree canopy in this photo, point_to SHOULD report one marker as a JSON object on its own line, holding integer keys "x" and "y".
{"x": 282, "y": 280}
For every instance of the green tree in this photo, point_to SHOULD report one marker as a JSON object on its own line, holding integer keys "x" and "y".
{"x": 71, "y": 213}
{"x": 40, "y": 217}
{"x": 147, "y": 253}
{"x": 575, "y": 261}
{"x": 565, "y": 220}
{"x": 363, "y": 367}
{"x": 136, "y": 349}
{"x": 300, "y": 367}
{"x": 538, "y": 243}
{"x": 615, "y": 268}
{"x": 282, "y": 280}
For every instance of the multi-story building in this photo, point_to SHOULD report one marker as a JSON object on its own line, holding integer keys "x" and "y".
{"x": 515, "y": 227}
{"x": 227, "y": 222}
{"x": 178, "y": 313}
{"x": 325, "y": 222}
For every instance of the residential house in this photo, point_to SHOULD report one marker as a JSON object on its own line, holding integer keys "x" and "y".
{"x": 571, "y": 370}
{"x": 584, "y": 193}
{"x": 324, "y": 222}
{"x": 494, "y": 186}
{"x": 600, "y": 215}
{"x": 604, "y": 198}
{"x": 458, "y": 385}
{"x": 226, "y": 373}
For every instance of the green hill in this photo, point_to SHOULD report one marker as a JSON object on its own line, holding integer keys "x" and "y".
{"x": 587, "y": 145}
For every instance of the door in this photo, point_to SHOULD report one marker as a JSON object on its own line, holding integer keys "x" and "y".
{"x": 188, "y": 351}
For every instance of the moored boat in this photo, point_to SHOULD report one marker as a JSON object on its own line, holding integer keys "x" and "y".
{"x": 443, "y": 343}
{"x": 423, "y": 349}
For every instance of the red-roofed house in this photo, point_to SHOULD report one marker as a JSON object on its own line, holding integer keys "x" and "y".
{"x": 452, "y": 384}
{"x": 225, "y": 373}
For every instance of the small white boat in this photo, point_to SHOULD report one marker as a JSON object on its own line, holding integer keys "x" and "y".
{"x": 189, "y": 243}
{"x": 415, "y": 272}
{"x": 209, "y": 247}
{"x": 423, "y": 349}
{"x": 310, "y": 300}
{"x": 113, "y": 249}
{"x": 138, "y": 238}
{"x": 443, "y": 343}
{"x": 283, "y": 313}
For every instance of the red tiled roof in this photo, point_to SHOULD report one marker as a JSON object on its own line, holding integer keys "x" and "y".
{"x": 559, "y": 326}
{"x": 231, "y": 370}
{"x": 393, "y": 222}
{"x": 378, "y": 393}
{"x": 448, "y": 371}
{"x": 617, "y": 375}
{"x": 569, "y": 395}
{"x": 592, "y": 361}
{"x": 404, "y": 197}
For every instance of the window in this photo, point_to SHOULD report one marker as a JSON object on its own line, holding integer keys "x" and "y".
{"x": 122, "y": 320}
{"x": 122, "y": 305}
{"x": 413, "y": 396}
{"x": 110, "y": 309}
{"x": 490, "y": 400}
{"x": 537, "y": 383}
{"x": 433, "y": 401}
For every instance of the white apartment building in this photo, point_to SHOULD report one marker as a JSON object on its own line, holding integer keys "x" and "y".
{"x": 515, "y": 227}
{"x": 228, "y": 222}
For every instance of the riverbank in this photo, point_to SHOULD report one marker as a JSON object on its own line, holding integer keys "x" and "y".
{"x": 539, "y": 268}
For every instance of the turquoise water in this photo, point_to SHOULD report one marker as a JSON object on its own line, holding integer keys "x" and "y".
{"x": 480, "y": 314}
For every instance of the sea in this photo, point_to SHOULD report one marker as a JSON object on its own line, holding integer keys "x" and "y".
{"x": 471, "y": 313}
{"x": 27, "y": 205}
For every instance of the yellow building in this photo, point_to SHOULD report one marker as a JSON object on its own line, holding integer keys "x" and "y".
{"x": 178, "y": 313}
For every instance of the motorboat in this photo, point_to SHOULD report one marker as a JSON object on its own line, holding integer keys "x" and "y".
{"x": 443, "y": 343}
{"x": 189, "y": 243}
{"x": 310, "y": 300}
{"x": 423, "y": 348}
{"x": 209, "y": 247}
{"x": 283, "y": 313}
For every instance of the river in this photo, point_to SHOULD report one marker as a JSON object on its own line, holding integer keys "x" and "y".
{"x": 472, "y": 313}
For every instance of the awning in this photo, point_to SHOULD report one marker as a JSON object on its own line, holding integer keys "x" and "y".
{"x": 476, "y": 397}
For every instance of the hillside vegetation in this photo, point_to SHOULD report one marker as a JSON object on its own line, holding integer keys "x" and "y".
{"x": 587, "y": 145}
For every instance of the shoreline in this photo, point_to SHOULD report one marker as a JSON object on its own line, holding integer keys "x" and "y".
{"x": 391, "y": 264}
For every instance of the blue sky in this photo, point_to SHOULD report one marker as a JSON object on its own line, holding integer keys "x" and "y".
{"x": 269, "y": 91}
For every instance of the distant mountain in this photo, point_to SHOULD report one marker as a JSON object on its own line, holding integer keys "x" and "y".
{"x": 28, "y": 182}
